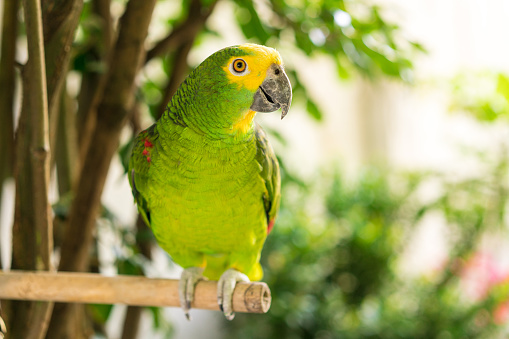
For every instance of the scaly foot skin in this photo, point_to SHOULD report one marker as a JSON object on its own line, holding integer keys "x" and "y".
{"x": 188, "y": 280}
{"x": 225, "y": 288}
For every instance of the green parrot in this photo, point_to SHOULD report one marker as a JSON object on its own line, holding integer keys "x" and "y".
{"x": 204, "y": 176}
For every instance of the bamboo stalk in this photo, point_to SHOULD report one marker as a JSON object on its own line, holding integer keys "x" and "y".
{"x": 40, "y": 313}
{"x": 39, "y": 144}
{"x": 253, "y": 297}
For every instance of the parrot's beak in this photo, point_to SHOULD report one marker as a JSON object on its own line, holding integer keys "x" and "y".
{"x": 275, "y": 92}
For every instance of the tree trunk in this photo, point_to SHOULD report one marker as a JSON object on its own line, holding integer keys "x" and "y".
{"x": 60, "y": 20}
{"x": 66, "y": 150}
{"x": 7, "y": 85}
{"x": 92, "y": 82}
{"x": 32, "y": 245}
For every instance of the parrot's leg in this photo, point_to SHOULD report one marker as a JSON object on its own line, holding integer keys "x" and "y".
{"x": 225, "y": 288}
{"x": 188, "y": 280}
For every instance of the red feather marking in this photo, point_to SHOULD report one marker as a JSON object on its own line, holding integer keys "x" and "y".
{"x": 146, "y": 152}
{"x": 148, "y": 143}
{"x": 270, "y": 225}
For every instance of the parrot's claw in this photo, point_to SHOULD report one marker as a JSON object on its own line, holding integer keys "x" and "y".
{"x": 225, "y": 288}
{"x": 188, "y": 280}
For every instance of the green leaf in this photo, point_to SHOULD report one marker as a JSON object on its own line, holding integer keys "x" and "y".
{"x": 128, "y": 266}
{"x": 278, "y": 136}
{"x": 100, "y": 313}
{"x": 250, "y": 23}
{"x": 156, "y": 316}
{"x": 503, "y": 86}
{"x": 304, "y": 43}
{"x": 313, "y": 110}
{"x": 418, "y": 46}
{"x": 342, "y": 71}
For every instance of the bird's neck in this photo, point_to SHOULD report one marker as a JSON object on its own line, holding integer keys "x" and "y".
{"x": 207, "y": 120}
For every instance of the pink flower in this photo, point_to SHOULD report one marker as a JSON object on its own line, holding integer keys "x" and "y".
{"x": 480, "y": 274}
{"x": 501, "y": 313}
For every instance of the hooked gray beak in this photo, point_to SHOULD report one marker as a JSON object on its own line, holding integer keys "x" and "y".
{"x": 275, "y": 92}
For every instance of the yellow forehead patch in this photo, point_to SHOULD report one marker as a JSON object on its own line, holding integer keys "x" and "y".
{"x": 258, "y": 62}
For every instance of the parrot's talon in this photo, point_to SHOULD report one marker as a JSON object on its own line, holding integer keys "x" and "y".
{"x": 225, "y": 288}
{"x": 188, "y": 280}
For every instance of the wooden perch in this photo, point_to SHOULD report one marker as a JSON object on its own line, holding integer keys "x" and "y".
{"x": 253, "y": 297}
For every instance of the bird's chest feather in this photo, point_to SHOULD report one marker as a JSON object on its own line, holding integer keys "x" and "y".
{"x": 207, "y": 189}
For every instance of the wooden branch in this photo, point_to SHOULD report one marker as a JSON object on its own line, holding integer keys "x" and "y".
{"x": 66, "y": 150}
{"x": 40, "y": 313}
{"x": 7, "y": 84}
{"x": 39, "y": 144}
{"x": 60, "y": 21}
{"x": 251, "y": 297}
{"x": 93, "y": 81}
{"x": 186, "y": 31}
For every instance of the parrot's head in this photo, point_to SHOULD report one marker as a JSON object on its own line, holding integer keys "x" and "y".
{"x": 234, "y": 83}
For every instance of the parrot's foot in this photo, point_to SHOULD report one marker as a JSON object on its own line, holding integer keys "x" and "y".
{"x": 188, "y": 280}
{"x": 225, "y": 288}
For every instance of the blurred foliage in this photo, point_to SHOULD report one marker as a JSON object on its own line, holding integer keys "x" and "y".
{"x": 333, "y": 261}
{"x": 484, "y": 95}
{"x": 355, "y": 34}
{"x": 335, "y": 272}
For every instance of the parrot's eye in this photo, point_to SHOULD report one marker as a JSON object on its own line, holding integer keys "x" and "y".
{"x": 238, "y": 67}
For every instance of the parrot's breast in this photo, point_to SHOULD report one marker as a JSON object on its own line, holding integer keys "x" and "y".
{"x": 206, "y": 195}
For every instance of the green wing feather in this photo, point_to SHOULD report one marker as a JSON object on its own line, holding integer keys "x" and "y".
{"x": 139, "y": 166}
{"x": 266, "y": 157}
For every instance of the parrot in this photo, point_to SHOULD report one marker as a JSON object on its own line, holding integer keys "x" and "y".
{"x": 205, "y": 178}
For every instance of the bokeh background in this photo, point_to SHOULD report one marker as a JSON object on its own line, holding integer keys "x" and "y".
{"x": 394, "y": 157}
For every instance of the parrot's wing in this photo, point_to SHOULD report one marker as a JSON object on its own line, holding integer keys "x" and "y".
{"x": 139, "y": 166}
{"x": 266, "y": 157}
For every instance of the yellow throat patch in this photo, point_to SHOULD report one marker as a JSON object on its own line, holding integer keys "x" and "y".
{"x": 244, "y": 123}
